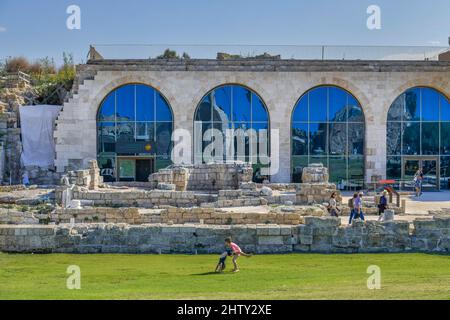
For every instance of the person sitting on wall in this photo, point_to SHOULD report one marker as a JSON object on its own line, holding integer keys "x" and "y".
{"x": 332, "y": 206}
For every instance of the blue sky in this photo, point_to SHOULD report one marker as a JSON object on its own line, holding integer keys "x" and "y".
{"x": 37, "y": 28}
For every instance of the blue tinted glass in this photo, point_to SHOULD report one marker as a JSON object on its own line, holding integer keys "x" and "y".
{"x": 319, "y": 159}
{"x": 259, "y": 112}
{"x": 338, "y": 105}
{"x": 394, "y": 168}
{"x": 145, "y": 103}
{"x": 163, "y": 138}
{"x": 397, "y": 109}
{"x": 445, "y": 172}
{"x": 355, "y": 139}
{"x": 445, "y": 109}
{"x": 412, "y": 104}
{"x": 221, "y": 100}
{"x": 430, "y": 138}
{"x": 106, "y": 137}
{"x": 411, "y": 138}
{"x": 394, "y": 138}
{"x": 204, "y": 110}
{"x": 261, "y": 130}
{"x": 356, "y": 169}
{"x": 301, "y": 109}
{"x": 338, "y": 169}
{"x": 445, "y": 137}
{"x": 107, "y": 109}
{"x": 163, "y": 112}
{"x": 241, "y": 104}
{"x": 355, "y": 112}
{"x": 318, "y": 104}
{"x": 125, "y": 103}
{"x": 298, "y": 163}
{"x": 338, "y": 138}
{"x": 300, "y": 139}
{"x": 318, "y": 138}
{"x": 145, "y": 131}
{"x": 430, "y": 105}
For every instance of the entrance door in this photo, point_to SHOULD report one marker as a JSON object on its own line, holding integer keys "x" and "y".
{"x": 430, "y": 174}
{"x": 144, "y": 167}
{"x": 430, "y": 169}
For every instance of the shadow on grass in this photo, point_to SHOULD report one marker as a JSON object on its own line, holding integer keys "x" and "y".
{"x": 211, "y": 273}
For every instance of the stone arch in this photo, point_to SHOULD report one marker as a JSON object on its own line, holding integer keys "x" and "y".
{"x": 103, "y": 92}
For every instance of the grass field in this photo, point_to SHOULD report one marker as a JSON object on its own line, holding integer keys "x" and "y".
{"x": 293, "y": 276}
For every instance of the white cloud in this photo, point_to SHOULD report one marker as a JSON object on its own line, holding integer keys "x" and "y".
{"x": 2, "y": 29}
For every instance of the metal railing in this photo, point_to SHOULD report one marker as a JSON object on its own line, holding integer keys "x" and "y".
{"x": 315, "y": 52}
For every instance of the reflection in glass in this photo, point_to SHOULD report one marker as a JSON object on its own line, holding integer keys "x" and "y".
{"x": 394, "y": 168}
{"x": 298, "y": 163}
{"x": 338, "y": 138}
{"x": 145, "y": 103}
{"x": 300, "y": 139}
{"x": 328, "y": 126}
{"x": 355, "y": 138}
{"x": 125, "y": 103}
{"x": 107, "y": 111}
{"x": 412, "y": 105}
{"x": 430, "y": 105}
{"x": 132, "y": 120}
{"x": 411, "y": 138}
{"x": 318, "y": 138}
{"x": 394, "y": 138}
{"x": 318, "y": 101}
{"x": 430, "y": 138}
{"x": 337, "y": 105}
{"x": 445, "y": 138}
{"x": 239, "y": 108}
{"x": 418, "y": 124}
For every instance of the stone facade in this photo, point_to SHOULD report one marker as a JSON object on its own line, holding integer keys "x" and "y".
{"x": 280, "y": 83}
{"x": 316, "y": 235}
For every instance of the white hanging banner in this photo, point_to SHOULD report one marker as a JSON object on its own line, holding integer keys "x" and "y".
{"x": 37, "y": 126}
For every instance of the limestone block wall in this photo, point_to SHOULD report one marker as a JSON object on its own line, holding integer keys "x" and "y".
{"x": 316, "y": 235}
{"x": 280, "y": 83}
{"x": 174, "y": 215}
{"x": 139, "y": 198}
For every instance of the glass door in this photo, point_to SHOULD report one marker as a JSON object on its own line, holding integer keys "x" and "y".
{"x": 430, "y": 169}
{"x": 430, "y": 172}
{"x": 409, "y": 169}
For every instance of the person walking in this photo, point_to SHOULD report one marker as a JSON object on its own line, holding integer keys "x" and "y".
{"x": 351, "y": 205}
{"x": 358, "y": 206}
{"x": 382, "y": 205}
{"x": 417, "y": 183}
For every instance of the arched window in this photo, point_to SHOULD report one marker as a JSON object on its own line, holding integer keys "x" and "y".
{"x": 134, "y": 129}
{"x": 418, "y": 137}
{"x": 243, "y": 112}
{"x": 328, "y": 128}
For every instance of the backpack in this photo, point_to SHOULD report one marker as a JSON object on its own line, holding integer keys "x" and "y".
{"x": 350, "y": 203}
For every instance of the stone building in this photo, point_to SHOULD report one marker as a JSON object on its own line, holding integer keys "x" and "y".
{"x": 359, "y": 118}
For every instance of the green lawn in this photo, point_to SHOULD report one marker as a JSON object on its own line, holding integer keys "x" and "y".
{"x": 293, "y": 276}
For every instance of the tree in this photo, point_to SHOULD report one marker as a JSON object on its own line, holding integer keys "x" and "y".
{"x": 168, "y": 54}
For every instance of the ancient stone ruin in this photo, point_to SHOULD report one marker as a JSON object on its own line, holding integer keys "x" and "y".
{"x": 315, "y": 187}
{"x": 212, "y": 177}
